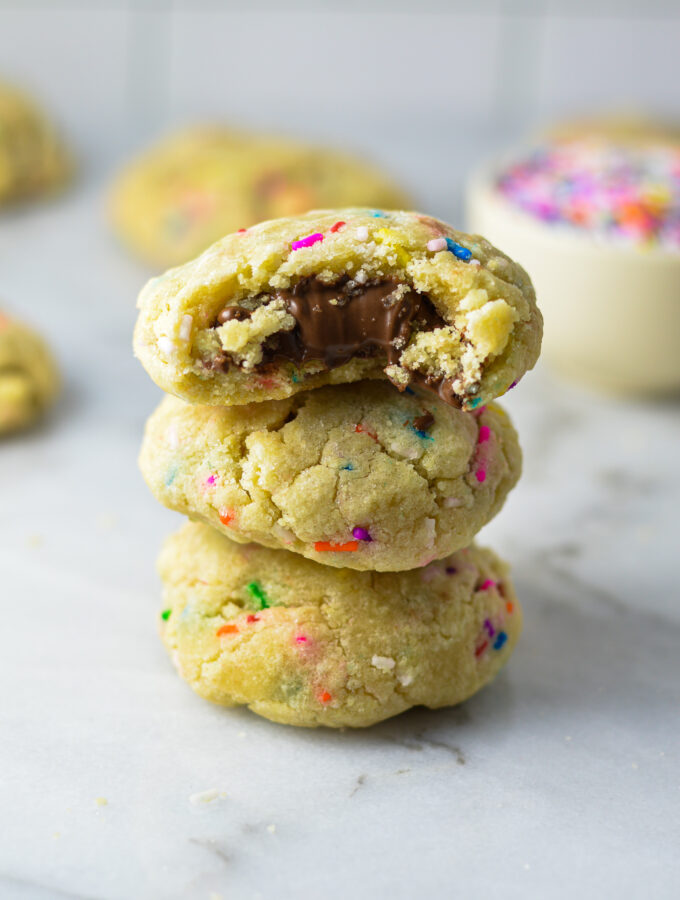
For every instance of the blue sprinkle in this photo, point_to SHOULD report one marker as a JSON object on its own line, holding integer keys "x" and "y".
{"x": 423, "y": 435}
{"x": 378, "y": 214}
{"x": 171, "y": 476}
{"x": 458, "y": 251}
{"x": 500, "y": 640}
{"x": 474, "y": 403}
{"x": 409, "y": 390}
{"x": 347, "y": 468}
{"x": 294, "y": 378}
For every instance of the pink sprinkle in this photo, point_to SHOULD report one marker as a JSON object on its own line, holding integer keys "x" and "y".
{"x": 489, "y": 583}
{"x": 436, "y": 244}
{"x": 480, "y": 475}
{"x": 301, "y": 639}
{"x": 307, "y": 241}
{"x": 484, "y": 434}
{"x": 211, "y": 479}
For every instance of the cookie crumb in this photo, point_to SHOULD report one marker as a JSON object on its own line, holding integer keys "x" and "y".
{"x": 386, "y": 663}
{"x": 101, "y": 801}
{"x": 206, "y": 797}
{"x": 271, "y": 829}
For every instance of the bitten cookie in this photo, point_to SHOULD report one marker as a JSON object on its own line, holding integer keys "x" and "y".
{"x": 198, "y": 185}
{"x": 339, "y": 296}
{"x": 306, "y": 645}
{"x": 29, "y": 380}
{"x": 351, "y": 475}
{"x": 32, "y": 158}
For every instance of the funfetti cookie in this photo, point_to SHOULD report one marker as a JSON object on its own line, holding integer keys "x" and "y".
{"x": 196, "y": 186}
{"x": 356, "y": 476}
{"x": 29, "y": 379}
{"x": 303, "y": 644}
{"x": 33, "y": 159}
{"x": 340, "y": 296}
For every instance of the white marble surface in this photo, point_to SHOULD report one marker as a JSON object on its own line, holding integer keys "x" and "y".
{"x": 561, "y": 780}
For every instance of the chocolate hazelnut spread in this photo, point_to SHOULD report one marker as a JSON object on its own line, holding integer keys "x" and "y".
{"x": 336, "y": 322}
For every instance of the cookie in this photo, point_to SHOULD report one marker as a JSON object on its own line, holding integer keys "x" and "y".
{"x": 29, "y": 380}
{"x": 302, "y": 644}
{"x": 33, "y": 159}
{"x": 338, "y": 296}
{"x": 198, "y": 185}
{"x": 356, "y": 476}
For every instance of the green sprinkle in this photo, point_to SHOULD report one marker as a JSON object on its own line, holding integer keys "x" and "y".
{"x": 258, "y": 593}
{"x": 165, "y": 615}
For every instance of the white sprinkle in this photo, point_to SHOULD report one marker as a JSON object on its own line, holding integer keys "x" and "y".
{"x": 405, "y": 680}
{"x": 383, "y": 662}
{"x": 166, "y": 346}
{"x": 185, "y": 328}
{"x": 431, "y": 526}
{"x": 283, "y": 534}
{"x": 475, "y": 262}
{"x": 271, "y": 829}
{"x": 206, "y": 797}
{"x": 362, "y": 233}
{"x": 436, "y": 244}
{"x": 452, "y": 501}
{"x": 172, "y": 436}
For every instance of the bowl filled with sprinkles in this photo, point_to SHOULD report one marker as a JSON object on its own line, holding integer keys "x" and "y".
{"x": 592, "y": 208}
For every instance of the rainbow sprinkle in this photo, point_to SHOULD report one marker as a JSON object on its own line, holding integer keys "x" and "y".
{"x": 361, "y": 534}
{"x": 165, "y": 615}
{"x": 258, "y": 593}
{"x": 629, "y": 192}
{"x": 308, "y": 241}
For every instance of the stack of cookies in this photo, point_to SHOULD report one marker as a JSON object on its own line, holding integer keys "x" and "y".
{"x": 331, "y": 434}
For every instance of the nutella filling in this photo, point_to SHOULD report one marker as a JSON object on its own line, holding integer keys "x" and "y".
{"x": 337, "y": 322}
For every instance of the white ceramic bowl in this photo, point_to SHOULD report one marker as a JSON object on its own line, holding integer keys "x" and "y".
{"x": 611, "y": 311}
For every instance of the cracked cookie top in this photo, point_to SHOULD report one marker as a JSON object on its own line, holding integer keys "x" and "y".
{"x": 338, "y": 296}
{"x": 202, "y": 183}
{"x": 342, "y": 648}
{"x": 29, "y": 380}
{"x": 356, "y": 476}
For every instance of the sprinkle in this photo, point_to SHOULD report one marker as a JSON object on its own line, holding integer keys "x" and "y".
{"x": 436, "y": 244}
{"x": 510, "y": 606}
{"x": 242, "y": 231}
{"x": 405, "y": 680}
{"x": 487, "y": 585}
{"x": 336, "y": 227}
{"x": 458, "y": 251}
{"x": 251, "y": 618}
{"x": 482, "y": 647}
{"x": 452, "y": 502}
{"x": 226, "y": 629}
{"x": 327, "y": 546}
{"x": 480, "y": 475}
{"x": 257, "y": 592}
{"x": 227, "y": 516}
{"x": 361, "y": 534}
{"x": 490, "y": 630}
{"x": 325, "y": 697}
{"x": 362, "y": 233}
{"x": 308, "y": 241}
{"x": 386, "y": 663}
{"x": 514, "y": 384}
{"x": 361, "y": 429}
{"x": 474, "y": 403}
{"x": 165, "y": 615}
{"x": 172, "y": 436}
{"x": 170, "y": 477}
{"x": 301, "y": 638}
{"x": 166, "y": 346}
{"x": 185, "y": 328}
{"x": 451, "y": 570}
{"x": 378, "y": 214}
{"x": 348, "y": 467}
{"x": 500, "y": 640}
{"x": 210, "y": 480}
{"x": 484, "y": 434}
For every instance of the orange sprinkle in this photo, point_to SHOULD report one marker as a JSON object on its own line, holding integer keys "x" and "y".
{"x": 227, "y": 629}
{"x": 510, "y": 606}
{"x": 325, "y": 697}
{"x": 227, "y": 516}
{"x": 360, "y": 429}
{"x": 325, "y": 546}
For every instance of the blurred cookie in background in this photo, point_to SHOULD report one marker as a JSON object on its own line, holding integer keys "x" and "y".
{"x": 592, "y": 208}
{"x": 196, "y": 186}
{"x": 33, "y": 159}
{"x": 29, "y": 378}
